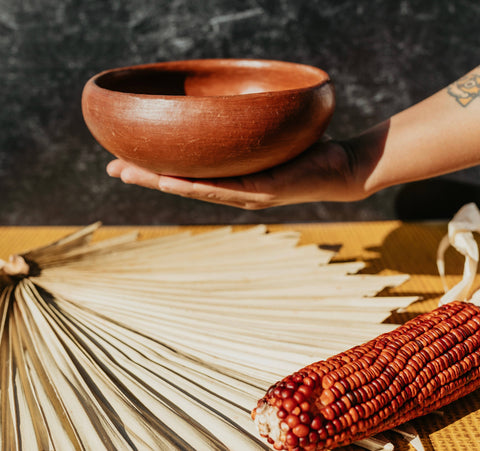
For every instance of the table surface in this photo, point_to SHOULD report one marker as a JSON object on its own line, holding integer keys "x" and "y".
{"x": 390, "y": 247}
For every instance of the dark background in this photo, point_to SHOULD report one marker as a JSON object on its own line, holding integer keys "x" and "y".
{"x": 382, "y": 55}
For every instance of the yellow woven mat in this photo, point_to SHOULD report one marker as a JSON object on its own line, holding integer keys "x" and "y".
{"x": 387, "y": 248}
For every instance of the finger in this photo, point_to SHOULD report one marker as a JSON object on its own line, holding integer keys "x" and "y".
{"x": 133, "y": 175}
{"x": 235, "y": 192}
{"x": 115, "y": 167}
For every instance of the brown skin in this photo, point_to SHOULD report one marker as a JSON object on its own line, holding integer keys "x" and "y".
{"x": 436, "y": 136}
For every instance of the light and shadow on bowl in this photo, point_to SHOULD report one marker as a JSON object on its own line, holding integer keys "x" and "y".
{"x": 209, "y": 118}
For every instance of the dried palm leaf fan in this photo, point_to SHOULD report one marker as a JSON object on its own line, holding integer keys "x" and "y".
{"x": 168, "y": 343}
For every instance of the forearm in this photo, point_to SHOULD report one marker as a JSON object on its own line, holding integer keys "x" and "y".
{"x": 436, "y": 136}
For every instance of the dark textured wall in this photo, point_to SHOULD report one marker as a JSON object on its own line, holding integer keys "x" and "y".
{"x": 382, "y": 55}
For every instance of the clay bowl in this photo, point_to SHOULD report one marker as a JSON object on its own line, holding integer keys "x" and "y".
{"x": 208, "y": 118}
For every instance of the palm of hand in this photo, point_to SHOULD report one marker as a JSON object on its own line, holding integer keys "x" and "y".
{"x": 321, "y": 173}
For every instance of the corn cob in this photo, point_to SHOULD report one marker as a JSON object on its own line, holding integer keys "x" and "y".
{"x": 417, "y": 368}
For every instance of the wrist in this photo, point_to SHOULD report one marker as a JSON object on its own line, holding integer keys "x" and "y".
{"x": 364, "y": 152}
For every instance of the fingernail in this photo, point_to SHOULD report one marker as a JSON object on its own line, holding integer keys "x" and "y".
{"x": 111, "y": 169}
{"x": 127, "y": 176}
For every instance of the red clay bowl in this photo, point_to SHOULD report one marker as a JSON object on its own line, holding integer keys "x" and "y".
{"x": 208, "y": 118}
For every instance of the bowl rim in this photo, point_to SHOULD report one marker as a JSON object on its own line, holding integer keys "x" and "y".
{"x": 248, "y": 62}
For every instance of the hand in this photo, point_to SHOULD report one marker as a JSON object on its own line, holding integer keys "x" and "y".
{"x": 434, "y": 137}
{"x": 324, "y": 172}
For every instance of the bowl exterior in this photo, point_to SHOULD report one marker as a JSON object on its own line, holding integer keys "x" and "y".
{"x": 205, "y": 137}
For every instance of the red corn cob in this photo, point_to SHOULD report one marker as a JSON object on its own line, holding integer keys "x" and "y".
{"x": 417, "y": 368}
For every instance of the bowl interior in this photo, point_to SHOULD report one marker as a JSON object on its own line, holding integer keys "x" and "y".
{"x": 211, "y": 78}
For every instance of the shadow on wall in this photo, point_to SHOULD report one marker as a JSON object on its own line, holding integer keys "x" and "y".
{"x": 434, "y": 199}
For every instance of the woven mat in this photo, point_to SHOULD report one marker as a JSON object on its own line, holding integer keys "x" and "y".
{"x": 387, "y": 248}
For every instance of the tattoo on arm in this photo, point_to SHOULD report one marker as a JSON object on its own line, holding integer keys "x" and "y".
{"x": 467, "y": 88}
